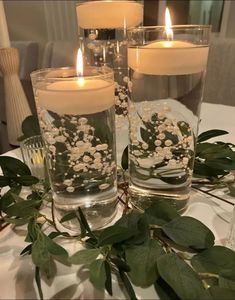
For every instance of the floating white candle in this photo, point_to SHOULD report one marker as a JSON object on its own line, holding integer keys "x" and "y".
{"x": 109, "y": 14}
{"x": 168, "y": 57}
{"x": 77, "y": 96}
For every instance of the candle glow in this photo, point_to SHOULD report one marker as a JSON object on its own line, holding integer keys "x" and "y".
{"x": 79, "y": 68}
{"x": 168, "y": 28}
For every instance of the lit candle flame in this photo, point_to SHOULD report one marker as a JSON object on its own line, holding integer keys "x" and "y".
{"x": 79, "y": 68}
{"x": 104, "y": 55}
{"x": 168, "y": 26}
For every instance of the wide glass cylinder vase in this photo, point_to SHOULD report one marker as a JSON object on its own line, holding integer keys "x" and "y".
{"x": 77, "y": 121}
{"x": 103, "y": 36}
{"x": 167, "y": 77}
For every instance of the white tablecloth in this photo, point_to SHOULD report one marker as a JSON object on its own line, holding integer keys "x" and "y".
{"x": 17, "y": 273}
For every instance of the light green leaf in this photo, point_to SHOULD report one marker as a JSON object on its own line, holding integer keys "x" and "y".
{"x": 54, "y": 248}
{"x": 189, "y": 232}
{"x": 142, "y": 260}
{"x": 115, "y": 234}
{"x": 181, "y": 278}
{"x": 98, "y": 273}
{"x": 85, "y": 256}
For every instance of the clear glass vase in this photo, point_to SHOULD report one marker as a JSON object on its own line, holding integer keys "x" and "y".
{"x": 167, "y": 78}
{"x": 104, "y": 25}
{"x": 77, "y": 121}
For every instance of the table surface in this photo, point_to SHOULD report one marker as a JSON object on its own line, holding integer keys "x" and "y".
{"x": 17, "y": 273}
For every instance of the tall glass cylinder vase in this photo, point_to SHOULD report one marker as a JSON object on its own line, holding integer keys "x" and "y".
{"x": 104, "y": 25}
{"x": 167, "y": 77}
{"x": 77, "y": 121}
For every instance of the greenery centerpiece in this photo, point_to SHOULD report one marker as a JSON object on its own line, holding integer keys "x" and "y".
{"x": 156, "y": 247}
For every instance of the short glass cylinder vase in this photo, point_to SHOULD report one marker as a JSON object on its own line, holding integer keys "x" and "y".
{"x": 167, "y": 77}
{"x": 33, "y": 153}
{"x": 77, "y": 121}
{"x": 103, "y": 25}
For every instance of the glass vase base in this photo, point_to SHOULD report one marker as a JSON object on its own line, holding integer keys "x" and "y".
{"x": 98, "y": 215}
{"x": 142, "y": 198}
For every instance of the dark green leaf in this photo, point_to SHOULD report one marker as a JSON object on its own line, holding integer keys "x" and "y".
{"x": 6, "y": 200}
{"x": 136, "y": 223}
{"x": 200, "y": 169}
{"x": 38, "y": 282}
{"x": 181, "y": 278}
{"x": 26, "y": 180}
{"x": 115, "y": 234}
{"x": 108, "y": 282}
{"x": 184, "y": 128}
{"x": 226, "y": 283}
{"x": 189, "y": 232}
{"x": 160, "y": 213}
{"x": 222, "y": 293}
{"x": 69, "y": 216}
{"x": 17, "y": 222}
{"x": 98, "y": 274}
{"x": 121, "y": 264}
{"x": 27, "y": 250}
{"x": 41, "y": 257}
{"x": 125, "y": 159}
{"x": 4, "y": 181}
{"x": 24, "y": 208}
{"x": 30, "y": 126}
{"x": 218, "y": 260}
{"x": 204, "y": 136}
{"x": 226, "y": 164}
{"x": 164, "y": 291}
{"x": 179, "y": 179}
{"x": 54, "y": 248}
{"x": 33, "y": 231}
{"x": 127, "y": 285}
{"x": 143, "y": 263}
{"x": 84, "y": 257}
{"x": 85, "y": 223}
{"x": 12, "y": 166}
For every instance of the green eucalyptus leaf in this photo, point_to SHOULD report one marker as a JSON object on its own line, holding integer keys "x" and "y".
{"x": 179, "y": 179}
{"x": 38, "y": 282}
{"x": 226, "y": 283}
{"x": 115, "y": 234}
{"x": 219, "y": 293}
{"x": 136, "y": 223}
{"x": 164, "y": 291}
{"x": 4, "y": 181}
{"x": 54, "y": 248}
{"x": 26, "y": 180}
{"x": 6, "y": 200}
{"x": 121, "y": 264}
{"x": 98, "y": 273}
{"x": 108, "y": 282}
{"x": 142, "y": 260}
{"x": 16, "y": 222}
{"x": 202, "y": 170}
{"x": 189, "y": 232}
{"x": 127, "y": 285}
{"x": 181, "y": 278}
{"x": 24, "y": 208}
{"x": 218, "y": 260}
{"x": 85, "y": 224}
{"x": 226, "y": 164}
{"x": 41, "y": 257}
{"x": 160, "y": 213}
{"x": 84, "y": 257}
{"x": 33, "y": 231}
{"x": 12, "y": 166}
{"x": 204, "y": 136}
{"x": 69, "y": 216}
{"x": 124, "y": 162}
{"x": 30, "y": 126}
{"x": 27, "y": 250}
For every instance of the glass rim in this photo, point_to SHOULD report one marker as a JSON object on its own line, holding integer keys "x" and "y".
{"x": 82, "y": 2}
{"x": 160, "y": 27}
{"x": 25, "y": 141}
{"x": 41, "y": 73}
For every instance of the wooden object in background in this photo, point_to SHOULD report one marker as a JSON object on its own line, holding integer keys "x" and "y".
{"x": 17, "y": 107}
